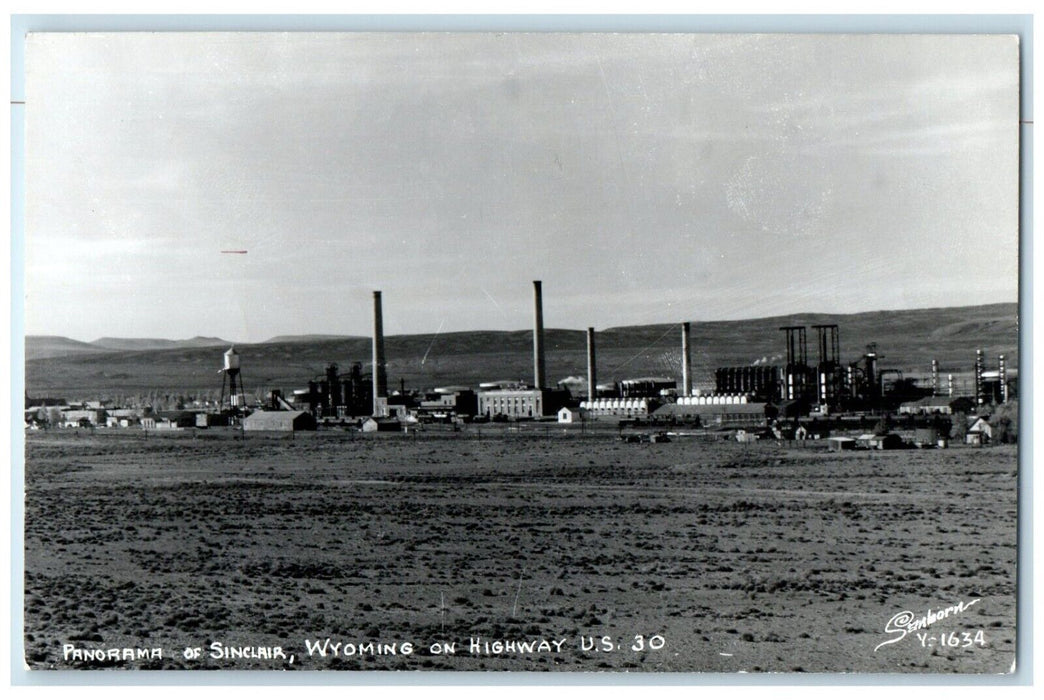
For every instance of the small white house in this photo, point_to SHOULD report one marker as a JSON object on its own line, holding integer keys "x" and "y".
{"x": 373, "y": 425}
{"x": 571, "y": 415}
{"x": 840, "y": 443}
{"x": 745, "y": 437}
{"x": 980, "y": 433}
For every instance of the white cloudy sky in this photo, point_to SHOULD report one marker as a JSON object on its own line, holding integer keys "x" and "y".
{"x": 644, "y": 178}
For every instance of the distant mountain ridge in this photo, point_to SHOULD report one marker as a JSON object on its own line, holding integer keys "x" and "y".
{"x": 310, "y": 338}
{"x": 38, "y": 347}
{"x": 157, "y": 343}
{"x": 43, "y": 346}
{"x": 907, "y": 340}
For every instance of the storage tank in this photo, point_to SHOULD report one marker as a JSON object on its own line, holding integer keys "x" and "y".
{"x": 231, "y": 360}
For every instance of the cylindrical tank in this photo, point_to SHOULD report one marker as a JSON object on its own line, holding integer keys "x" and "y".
{"x": 231, "y": 360}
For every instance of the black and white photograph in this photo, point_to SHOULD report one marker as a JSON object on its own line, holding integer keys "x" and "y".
{"x": 644, "y": 352}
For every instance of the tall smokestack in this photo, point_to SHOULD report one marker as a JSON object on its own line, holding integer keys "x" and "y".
{"x": 980, "y": 397}
{"x": 1002, "y": 370}
{"x": 935, "y": 377}
{"x": 538, "y": 336}
{"x": 380, "y": 372}
{"x": 949, "y": 385}
{"x": 592, "y": 377}
{"x": 686, "y": 362}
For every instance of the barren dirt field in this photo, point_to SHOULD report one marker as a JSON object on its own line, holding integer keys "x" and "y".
{"x": 683, "y": 556}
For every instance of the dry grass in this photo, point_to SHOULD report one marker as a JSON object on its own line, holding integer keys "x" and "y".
{"x": 783, "y": 558}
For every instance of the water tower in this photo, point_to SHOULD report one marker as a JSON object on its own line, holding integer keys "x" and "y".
{"x": 232, "y": 379}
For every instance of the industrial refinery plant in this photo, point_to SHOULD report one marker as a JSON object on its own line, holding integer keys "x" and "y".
{"x": 807, "y": 392}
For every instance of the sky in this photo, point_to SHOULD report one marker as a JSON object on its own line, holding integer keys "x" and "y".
{"x": 644, "y": 178}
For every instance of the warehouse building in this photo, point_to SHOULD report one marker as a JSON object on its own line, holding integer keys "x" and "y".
{"x": 279, "y": 421}
{"x": 927, "y": 406}
{"x": 718, "y": 415}
{"x": 623, "y": 408}
{"x": 77, "y": 417}
{"x": 521, "y": 402}
{"x": 447, "y": 402}
{"x": 646, "y": 387}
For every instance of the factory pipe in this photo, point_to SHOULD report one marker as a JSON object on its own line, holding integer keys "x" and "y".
{"x": 686, "y": 362}
{"x": 538, "y": 336}
{"x": 380, "y": 375}
{"x": 935, "y": 377}
{"x": 592, "y": 380}
{"x": 1003, "y": 372}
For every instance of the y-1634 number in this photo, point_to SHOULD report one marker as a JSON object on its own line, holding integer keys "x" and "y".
{"x": 953, "y": 639}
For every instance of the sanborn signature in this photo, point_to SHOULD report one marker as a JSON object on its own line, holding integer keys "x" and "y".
{"x": 905, "y": 622}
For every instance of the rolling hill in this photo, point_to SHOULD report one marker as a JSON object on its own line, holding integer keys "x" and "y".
{"x": 906, "y": 340}
{"x": 157, "y": 343}
{"x": 44, "y": 346}
{"x": 38, "y": 347}
{"x": 310, "y": 338}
